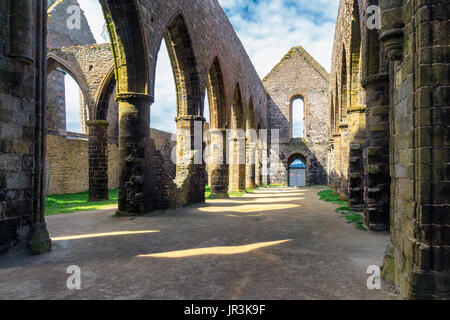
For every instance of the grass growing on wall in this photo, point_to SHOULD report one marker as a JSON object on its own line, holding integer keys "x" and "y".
{"x": 69, "y": 203}
{"x": 343, "y": 209}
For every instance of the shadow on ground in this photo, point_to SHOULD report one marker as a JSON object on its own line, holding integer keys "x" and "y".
{"x": 276, "y": 243}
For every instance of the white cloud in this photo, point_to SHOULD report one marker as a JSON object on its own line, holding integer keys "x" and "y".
{"x": 93, "y": 12}
{"x": 268, "y": 29}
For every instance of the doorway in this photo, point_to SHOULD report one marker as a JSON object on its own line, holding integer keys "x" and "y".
{"x": 297, "y": 174}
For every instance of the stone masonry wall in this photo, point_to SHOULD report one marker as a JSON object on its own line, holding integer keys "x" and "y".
{"x": 67, "y": 157}
{"x": 56, "y": 102}
{"x": 21, "y": 107}
{"x": 403, "y": 89}
{"x": 419, "y": 261}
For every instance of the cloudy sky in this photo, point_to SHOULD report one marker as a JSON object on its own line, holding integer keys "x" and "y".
{"x": 267, "y": 29}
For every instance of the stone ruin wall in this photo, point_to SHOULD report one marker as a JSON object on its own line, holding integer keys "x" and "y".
{"x": 21, "y": 104}
{"x": 393, "y": 142}
{"x": 68, "y": 161}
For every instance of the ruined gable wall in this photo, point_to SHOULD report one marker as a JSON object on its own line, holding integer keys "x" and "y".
{"x": 298, "y": 74}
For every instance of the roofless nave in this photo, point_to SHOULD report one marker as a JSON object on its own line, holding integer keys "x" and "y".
{"x": 376, "y": 128}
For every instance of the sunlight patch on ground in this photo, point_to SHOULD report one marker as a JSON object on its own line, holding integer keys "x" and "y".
{"x": 249, "y": 208}
{"x": 258, "y": 200}
{"x": 99, "y": 235}
{"x": 274, "y": 195}
{"x": 213, "y": 250}
{"x": 236, "y": 216}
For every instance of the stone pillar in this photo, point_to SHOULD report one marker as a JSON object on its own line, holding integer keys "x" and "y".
{"x": 21, "y": 31}
{"x": 135, "y": 172}
{"x": 357, "y": 123}
{"x": 237, "y": 163}
{"x": 98, "y": 160}
{"x": 250, "y": 167}
{"x": 218, "y": 173}
{"x": 191, "y": 174}
{"x": 265, "y": 166}
{"x": 40, "y": 241}
{"x": 376, "y": 154}
{"x": 258, "y": 168}
{"x": 336, "y": 182}
{"x": 344, "y": 160}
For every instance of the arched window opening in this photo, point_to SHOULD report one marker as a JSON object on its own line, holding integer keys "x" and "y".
{"x": 206, "y": 111}
{"x": 344, "y": 90}
{"x": 207, "y": 139}
{"x": 74, "y": 106}
{"x": 298, "y": 118}
{"x": 66, "y": 110}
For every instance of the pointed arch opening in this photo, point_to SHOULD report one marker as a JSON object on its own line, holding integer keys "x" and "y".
{"x": 344, "y": 88}
{"x": 184, "y": 67}
{"x": 217, "y": 168}
{"x": 237, "y": 143}
{"x": 251, "y": 145}
{"x": 68, "y": 100}
{"x": 355, "y": 59}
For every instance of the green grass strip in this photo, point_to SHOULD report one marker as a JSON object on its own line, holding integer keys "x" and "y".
{"x": 69, "y": 203}
{"x": 351, "y": 217}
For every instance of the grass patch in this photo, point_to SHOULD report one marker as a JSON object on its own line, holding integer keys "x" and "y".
{"x": 351, "y": 217}
{"x": 208, "y": 195}
{"x": 69, "y": 203}
{"x": 236, "y": 194}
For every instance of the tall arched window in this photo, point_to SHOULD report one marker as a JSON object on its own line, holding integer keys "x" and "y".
{"x": 298, "y": 117}
{"x": 206, "y": 110}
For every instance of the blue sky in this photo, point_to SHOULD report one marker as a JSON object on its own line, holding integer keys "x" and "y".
{"x": 268, "y": 29}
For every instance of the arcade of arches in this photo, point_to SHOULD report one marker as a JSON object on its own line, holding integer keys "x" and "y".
{"x": 376, "y": 129}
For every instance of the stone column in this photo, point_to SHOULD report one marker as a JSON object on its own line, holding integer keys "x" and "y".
{"x": 98, "y": 160}
{"x": 250, "y": 167}
{"x": 21, "y": 31}
{"x": 376, "y": 154}
{"x": 258, "y": 168}
{"x": 218, "y": 173}
{"x": 357, "y": 122}
{"x": 344, "y": 159}
{"x": 190, "y": 176}
{"x": 40, "y": 241}
{"x": 265, "y": 166}
{"x": 237, "y": 164}
{"x": 135, "y": 172}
